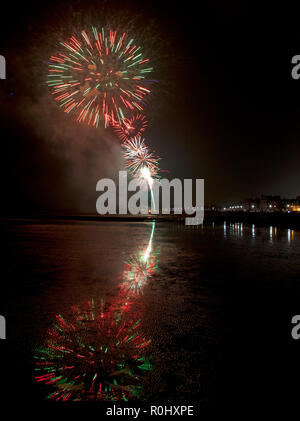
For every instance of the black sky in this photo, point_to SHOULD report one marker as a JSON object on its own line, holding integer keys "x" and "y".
{"x": 226, "y": 109}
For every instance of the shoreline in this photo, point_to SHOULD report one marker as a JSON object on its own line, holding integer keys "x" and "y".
{"x": 283, "y": 220}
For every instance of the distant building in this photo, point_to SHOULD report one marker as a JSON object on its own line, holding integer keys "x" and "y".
{"x": 251, "y": 205}
{"x": 266, "y": 203}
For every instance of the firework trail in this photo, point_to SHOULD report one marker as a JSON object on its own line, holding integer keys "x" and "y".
{"x": 100, "y": 74}
{"x": 97, "y": 353}
{"x": 141, "y": 162}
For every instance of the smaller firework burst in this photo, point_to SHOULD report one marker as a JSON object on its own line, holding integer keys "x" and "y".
{"x": 131, "y": 127}
{"x": 139, "y": 160}
{"x": 134, "y": 147}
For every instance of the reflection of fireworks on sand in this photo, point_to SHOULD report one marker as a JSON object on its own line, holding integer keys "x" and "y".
{"x": 97, "y": 354}
{"x": 131, "y": 127}
{"x": 136, "y": 273}
{"x": 139, "y": 268}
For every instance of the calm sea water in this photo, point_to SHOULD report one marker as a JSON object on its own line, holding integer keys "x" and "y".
{"x": 203, "y": 297}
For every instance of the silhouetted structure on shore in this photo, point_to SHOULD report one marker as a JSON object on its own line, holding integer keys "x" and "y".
{"x": 265, "y": 203}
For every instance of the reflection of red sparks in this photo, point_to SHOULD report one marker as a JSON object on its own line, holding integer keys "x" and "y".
{"x": 95, "y": 353}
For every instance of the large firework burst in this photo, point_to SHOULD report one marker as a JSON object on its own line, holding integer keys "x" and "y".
{"x": 98, "y": 73}
{"x": 98, "y": 353}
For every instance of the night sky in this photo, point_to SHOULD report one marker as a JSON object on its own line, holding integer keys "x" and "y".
{"x": 225, "y": 107}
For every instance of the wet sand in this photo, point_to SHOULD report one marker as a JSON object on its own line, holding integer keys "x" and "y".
{"x": 215, "y": 305}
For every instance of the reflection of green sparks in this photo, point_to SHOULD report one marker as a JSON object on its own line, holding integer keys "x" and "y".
{"x": 98, "y": 353}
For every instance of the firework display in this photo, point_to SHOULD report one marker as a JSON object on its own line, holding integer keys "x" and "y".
{"x": 131, "y": 128}
{"x": 97, "y": 351}
{"x": 100, "y": 74}
{"x": 95, "y": 354}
